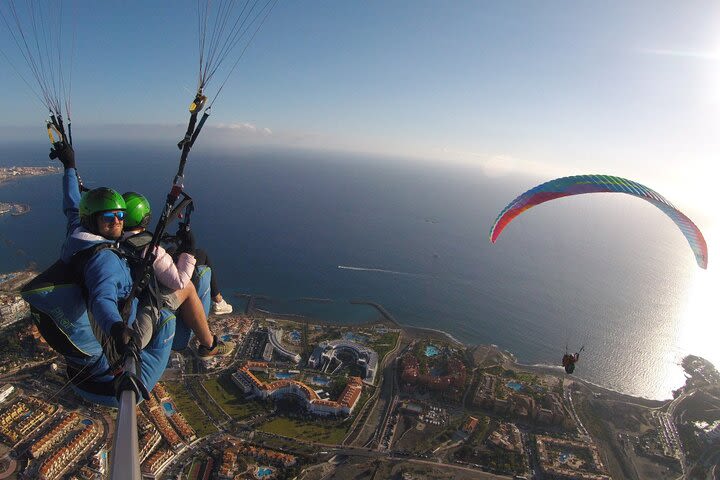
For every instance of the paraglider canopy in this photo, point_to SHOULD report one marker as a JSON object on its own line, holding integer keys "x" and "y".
{"x": 579, "y": 184}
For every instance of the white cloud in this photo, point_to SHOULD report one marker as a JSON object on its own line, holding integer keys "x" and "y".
{"x": 702, "y": 55}
{"x": 496, "y": 165}
{"x": 245, "y": 127}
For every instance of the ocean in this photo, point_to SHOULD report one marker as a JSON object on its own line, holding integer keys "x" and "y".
{"x": 607, "y": 271}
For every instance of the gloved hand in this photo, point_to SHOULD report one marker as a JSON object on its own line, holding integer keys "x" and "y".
{"x": 187, "y": 239}
{"x": 120, "y": 335}
{"x": 63, "y": 152}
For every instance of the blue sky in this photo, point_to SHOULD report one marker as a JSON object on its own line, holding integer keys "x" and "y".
{"x": 562, "y": 87}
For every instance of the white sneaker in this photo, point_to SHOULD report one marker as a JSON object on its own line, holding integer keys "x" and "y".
{"x": 221, "y": 307}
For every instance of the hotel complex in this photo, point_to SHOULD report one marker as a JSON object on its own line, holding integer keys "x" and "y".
{"x": 325, "y": 358}
{"x": 344, "y": 405}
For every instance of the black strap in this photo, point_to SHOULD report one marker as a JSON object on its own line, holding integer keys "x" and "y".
{"x": 90, "y": 386}
{"x": 142, "y": 280}
{"x": 136, "y": 243}
{"x": 130, "y": 249}
{"x": 79, "y": 260}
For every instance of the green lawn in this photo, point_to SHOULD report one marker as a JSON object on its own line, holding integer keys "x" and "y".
{"x": 384, "y": 344}
{"x": 318, "y": 430}
{"x": 230, "y": 398}
{"x": 195, "y": 385}
{"x": 190, "y": 366}
{"x": 187, "y": 406}
{"x": 528, "y": 378}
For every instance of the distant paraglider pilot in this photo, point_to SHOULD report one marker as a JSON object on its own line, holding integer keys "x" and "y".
{"x": 568, "y": 361}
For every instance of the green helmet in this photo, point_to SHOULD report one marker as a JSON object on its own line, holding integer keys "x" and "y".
{"x": 138, "y": 210}
{"x": 98, "y": 200}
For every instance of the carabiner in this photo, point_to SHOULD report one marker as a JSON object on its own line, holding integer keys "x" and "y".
{"x": 50, "y": 128}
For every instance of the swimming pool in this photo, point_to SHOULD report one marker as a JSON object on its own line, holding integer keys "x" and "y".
{"x": 169, "y": 410}
{"x": 263, "y": 472}
{"x": 87, "y": 421}
{"x": 431, "y": 351}
{"x": 320, "y": 380}
{"x": 283, "y": 375}
{"x": 515, "y": 386}
{"x": 226, "y": 338}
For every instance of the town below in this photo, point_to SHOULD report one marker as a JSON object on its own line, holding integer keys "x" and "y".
{"x": 305, "y": 399}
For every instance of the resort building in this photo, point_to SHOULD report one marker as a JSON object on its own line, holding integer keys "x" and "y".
{"x": 493, "y": 393}
{"x": 12, "y": 308}
{"x": 59, "y": 461}
{"x": 53, "y": 437}
{"x": 709, "y": 431}
{"x": 148, "y": 441}
{"x": 228, "y": 465}
{"x": 155, "y": 413}
{"x": 268, "y": 352}
{"x": 470, "y": 425}
{"x": 507, "y": 436}
{"x": 160, "y": 392}
{"x": 5, "y": 391}
{"x": 266, "y": 455}
{"x": 154, "y": 464}
{"x": 452, "y": 382}
{"x": 275, "y": 338}
{"x": 21, "y": 418}
{"x": 325, "y": 357}
{"x": 564, "y": 459}
{"x": 257, "y": 366}
{"x": 344, "y": 405}
{"x": 176, "y": 418}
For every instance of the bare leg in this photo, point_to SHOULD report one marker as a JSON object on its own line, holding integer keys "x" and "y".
{"x": 193, "y": 314}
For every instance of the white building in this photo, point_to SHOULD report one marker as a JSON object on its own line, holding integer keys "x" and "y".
{"x": 366, "y": 358}
{"x": 5, "y": 391}
{"x": 344, "y": 405}
{"x": 710, "y": 430}
{"x": 275, "y": 337}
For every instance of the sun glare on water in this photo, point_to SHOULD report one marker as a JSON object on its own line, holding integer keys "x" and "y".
{"x": 700, "y": 321}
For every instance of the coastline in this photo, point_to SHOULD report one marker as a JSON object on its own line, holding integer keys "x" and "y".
{"x": 511, "y": 358}
{"x": 508, "y": 359}
{"x": 596, "y": 388}
{"x": 14, "y": 209}
{"x": 448, "y": 336}
{"x": 9, "y": 174}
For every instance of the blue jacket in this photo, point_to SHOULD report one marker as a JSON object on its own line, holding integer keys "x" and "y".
{"x": 107, "y": 277}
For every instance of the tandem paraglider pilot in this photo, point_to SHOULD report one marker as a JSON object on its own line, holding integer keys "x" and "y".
{"x": 77, "y": 303}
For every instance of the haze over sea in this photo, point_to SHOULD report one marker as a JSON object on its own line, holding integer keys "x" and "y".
{"x": 607, "y": 270}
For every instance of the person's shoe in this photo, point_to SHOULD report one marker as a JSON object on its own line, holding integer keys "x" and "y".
{"x": 221, "y": 307}
{"x": 219, "y": 349}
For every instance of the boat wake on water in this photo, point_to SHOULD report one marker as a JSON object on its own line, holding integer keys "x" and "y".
{"x": 381, "y": 270}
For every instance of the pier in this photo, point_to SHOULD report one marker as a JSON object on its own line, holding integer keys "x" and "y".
{"x": 386, "y": 315}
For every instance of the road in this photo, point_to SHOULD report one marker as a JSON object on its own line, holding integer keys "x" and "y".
{"x": 380, "y": 396}
{"x": 581, "y": 428}
{"x": 671, "y": 418}
{"x": 380, "y": 433}
{"x": 370, "y": 453}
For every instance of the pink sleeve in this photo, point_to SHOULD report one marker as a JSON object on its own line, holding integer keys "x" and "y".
{"x": 170, "y": 275}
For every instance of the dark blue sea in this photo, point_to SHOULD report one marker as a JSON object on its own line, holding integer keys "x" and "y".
{"x": 607, "y": 271}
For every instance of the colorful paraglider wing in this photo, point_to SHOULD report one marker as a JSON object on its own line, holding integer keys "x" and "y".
{"x": 578, "y": 184}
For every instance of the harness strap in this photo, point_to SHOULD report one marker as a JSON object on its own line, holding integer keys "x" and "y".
{"x": 91, "y": 386}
